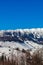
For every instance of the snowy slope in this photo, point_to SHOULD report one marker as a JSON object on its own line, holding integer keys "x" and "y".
{"x": 30, "y": 39}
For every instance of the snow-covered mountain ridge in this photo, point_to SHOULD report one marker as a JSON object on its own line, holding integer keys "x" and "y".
{"x": 30, "y": 39}
{"x": 21, "y": 35}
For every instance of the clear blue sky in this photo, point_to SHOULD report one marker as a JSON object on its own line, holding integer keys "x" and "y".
{"x": 16, "y": 14}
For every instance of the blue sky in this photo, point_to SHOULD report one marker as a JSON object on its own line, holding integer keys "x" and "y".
{"x": 16, "y": 14}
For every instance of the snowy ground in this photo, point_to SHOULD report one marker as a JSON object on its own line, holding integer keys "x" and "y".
{"x": 7, "y": 47}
